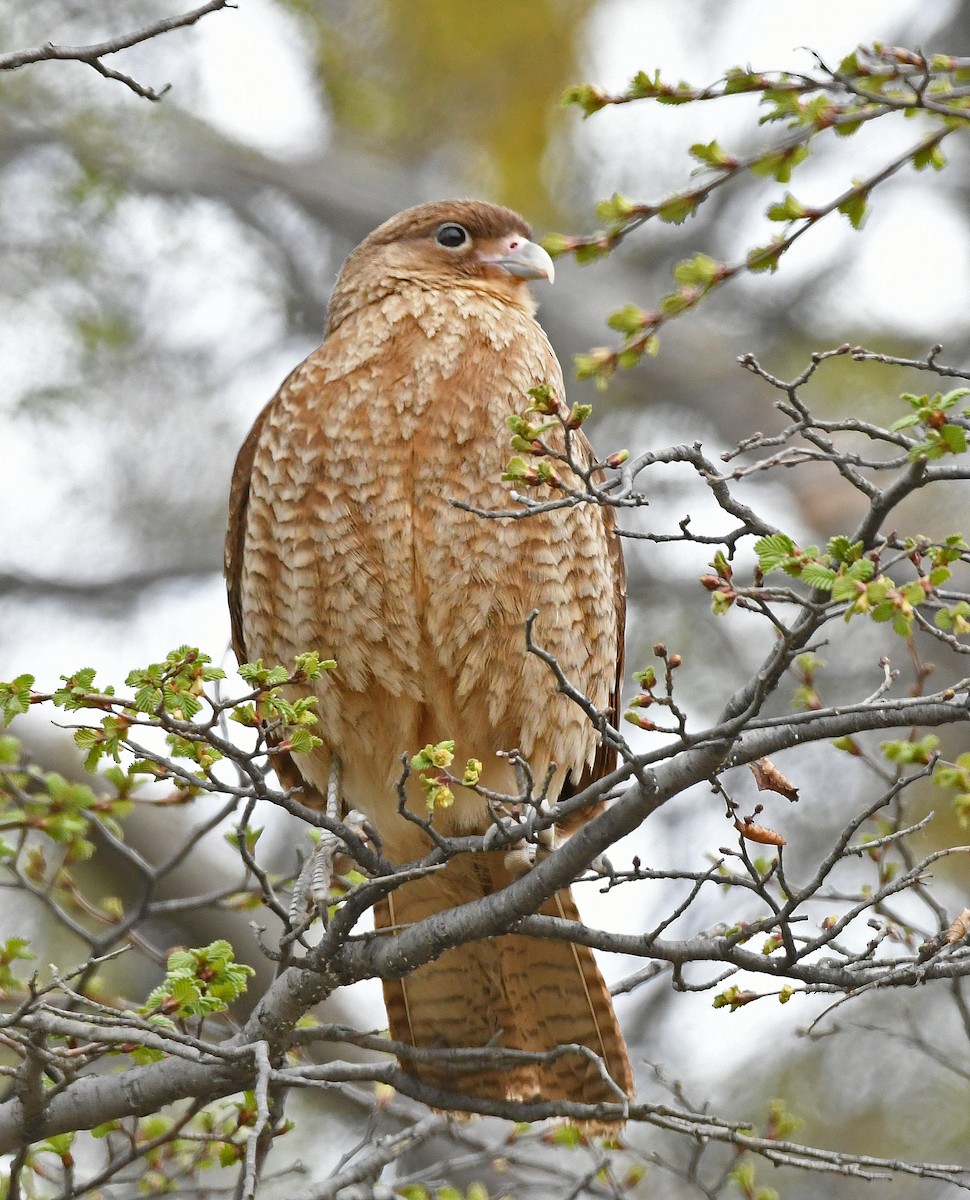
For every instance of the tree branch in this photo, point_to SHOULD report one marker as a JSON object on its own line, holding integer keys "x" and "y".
{"x": 93, "y": 54}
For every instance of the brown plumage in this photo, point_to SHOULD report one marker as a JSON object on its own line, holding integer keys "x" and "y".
{"x": 342, "y": 539}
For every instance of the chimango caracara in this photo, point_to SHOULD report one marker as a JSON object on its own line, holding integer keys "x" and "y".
{"x": 342, "y": 539}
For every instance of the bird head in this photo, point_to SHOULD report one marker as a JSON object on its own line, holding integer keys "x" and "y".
{"x": 446, "y": 244}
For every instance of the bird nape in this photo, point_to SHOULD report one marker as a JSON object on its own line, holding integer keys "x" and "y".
{"x": 343, "y": 538}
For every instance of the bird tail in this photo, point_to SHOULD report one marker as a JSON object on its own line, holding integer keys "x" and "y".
{"x": 513, "y": 991}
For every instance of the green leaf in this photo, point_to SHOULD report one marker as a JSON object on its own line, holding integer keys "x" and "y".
{"x": 774, "y": 551}
{"x": 200, "y": 981}
{"x": 846, "y": 586}
{"x": 816, "y": 575}
{"x": 788, "y": 209}
{"x": 734, "y": 998}
{"x": 472, "y": 772}
{"x": 590, "y": 99}
{"x": 950, "y": 775}
{"x": 101, "y": 1131}
{"x": 721, "y": 601}
{"x": 779, "y": 163}
{"x": 909, "y": 753}
{"x": 578, "y": 415}
{"x": 438, "y": 755}
{"x": 764, "y": 258}
{"x": 567, "y": 1135}
{"x": 148, "y": 699}
{"x": 15, "y": 948}
{"x": 955, "y": 620}
{"x": 525, "y": 431}
{"x": 616, "y": 210}
{"x": 9, "y": 751}
{"x": 674, "y": 303}
{"x": 841, "y": 550}
{"x": 737, "y": 79}
{"x": 74, "y": 694}
{"x": 596, "y": 364}
{"x": 929, "y": 156}
{"x": 590, "y": 251}
{"x": 313, "y": 666}
{"x": 59, "y": 1144}
{"x": 743, "y": 1175}
{"x": 855, "y": 208}
{"x": 784, "y": 102}
{"x": 954, "y": 438}
{"x": 302, "y": 741}
{"x": 676, "y": 209}
{"x": 556, "y": 244}
{"x": 261, "y": 676}
{"x": 644, "y": 86}
{"x": 699, "y": 271}
{"x": 846, "y": 127}
{"x": 913, "y": 592}
{"x": 15, "y": 697}
{"x": 906, "y": 422}
{"x": 927, "y": 449}
{"x": 543, "y": 399}
{"x": 712, "y": 155}
{"x": 628, "y": 320}
{"x": 230, "y": 1153}
{"x": 437, "y": 793}
{"x": 680, "y": 93}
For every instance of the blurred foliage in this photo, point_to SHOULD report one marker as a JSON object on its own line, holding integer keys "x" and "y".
{"x": 473, "y": 85}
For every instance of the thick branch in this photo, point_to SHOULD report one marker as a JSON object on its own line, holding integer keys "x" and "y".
{"x": 139, "y": 1091}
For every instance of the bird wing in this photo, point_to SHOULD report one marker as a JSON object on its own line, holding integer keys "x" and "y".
{"x": 285, "y": 766}
{"x": 236, "y": 533}
{"x": 606, "y": 756}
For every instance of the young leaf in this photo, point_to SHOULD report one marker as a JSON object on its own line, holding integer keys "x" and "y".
{"x": 855, "y": 208}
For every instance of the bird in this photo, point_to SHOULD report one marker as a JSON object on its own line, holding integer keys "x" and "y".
{"x": 356, "y": 528}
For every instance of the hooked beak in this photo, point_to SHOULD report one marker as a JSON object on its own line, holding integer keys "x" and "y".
{"x": 526, "y": 260}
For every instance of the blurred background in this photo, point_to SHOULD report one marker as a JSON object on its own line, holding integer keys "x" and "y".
{"x": 164, "y": 266}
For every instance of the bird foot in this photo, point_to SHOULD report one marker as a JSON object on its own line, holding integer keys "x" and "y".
{"x": 313, "y": 890}
{"x": 523, "y": 856}
{"x": 314, "y": 887}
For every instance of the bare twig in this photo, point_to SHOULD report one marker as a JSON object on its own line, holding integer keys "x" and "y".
{"x": 94, "y": 54}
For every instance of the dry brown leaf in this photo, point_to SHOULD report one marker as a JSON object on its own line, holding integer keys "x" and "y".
{"x": 758, "y": 833}
{"x": 959, "y": 928}
{"x": 770, "y": 779}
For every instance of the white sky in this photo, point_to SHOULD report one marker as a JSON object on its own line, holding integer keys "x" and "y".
{"x": 256, "y": 80}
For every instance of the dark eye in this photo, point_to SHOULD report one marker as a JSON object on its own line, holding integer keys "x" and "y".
{"x": 451, "y": 236}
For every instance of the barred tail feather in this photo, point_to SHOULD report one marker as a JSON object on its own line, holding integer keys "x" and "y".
{"x": 521, "y": 992}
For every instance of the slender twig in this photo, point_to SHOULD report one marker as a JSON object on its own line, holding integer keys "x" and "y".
{"x": 94, "y": 54}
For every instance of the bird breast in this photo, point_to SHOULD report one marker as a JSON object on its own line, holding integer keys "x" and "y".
{"x": 355, "y": 549}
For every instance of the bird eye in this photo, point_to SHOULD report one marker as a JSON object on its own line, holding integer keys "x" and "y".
{"x": 451, "y": 236}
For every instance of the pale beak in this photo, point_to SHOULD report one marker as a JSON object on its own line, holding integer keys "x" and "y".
{"x": 526, "y": 260}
